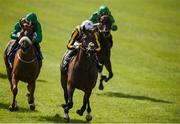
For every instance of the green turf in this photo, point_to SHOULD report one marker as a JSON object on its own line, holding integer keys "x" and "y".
{"x": 145, "y": 60}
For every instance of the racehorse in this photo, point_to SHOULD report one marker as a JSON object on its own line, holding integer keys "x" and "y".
{"x": 25, "y": 67}
{"x": 82, "y": 74}
{"x": 105, "y": 38}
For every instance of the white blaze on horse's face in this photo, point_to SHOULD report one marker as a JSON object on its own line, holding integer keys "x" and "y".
{"x": 25, "y": 33}
{"x": 90, "y": 49}
{"x": 25, "y": 43}
{"x": 25, "y": 38}
{"x": 104, "y": 28}
{"x": 90, "y": 46}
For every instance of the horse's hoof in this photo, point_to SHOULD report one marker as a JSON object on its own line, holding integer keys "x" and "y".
{"x": 66, "y": 120}
{"x": 79, "y": 112}
{"x": 66, "y": 117}
{"x": 32, "y": 106}
{"x": 13, "y": 108}
{"x": 88, "y": 117}
{"x": 63, "y": 105}
{"x": 103, "y": 77}
{"x": 106, "y": 80}
{"x": 101, "y": 87}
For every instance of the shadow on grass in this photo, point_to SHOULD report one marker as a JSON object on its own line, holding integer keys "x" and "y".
{"x": 58, "y": 119}
{"x": 128, "y": 96}
{"x": 3, "y": 76}
{"x": 20, "y": 109}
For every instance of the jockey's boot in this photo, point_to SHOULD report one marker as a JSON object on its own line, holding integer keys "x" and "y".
{"x": 38, "y": 51}
{"x": 12, "y": 53}
{"x": 67, "y": 58}
{"x": 98, "y": 64}
{"x": 40, "y": 64}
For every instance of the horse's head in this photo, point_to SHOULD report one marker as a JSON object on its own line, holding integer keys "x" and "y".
{"x": 27, "y": 30}
{"x": 25, "y": 43}
{"x": 104, "y": 24}
{"x": 88, "y": 44}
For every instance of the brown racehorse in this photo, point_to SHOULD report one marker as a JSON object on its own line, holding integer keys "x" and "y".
{"x": 82, "y": 74}
{"x": 103, "y": 28}
{"x": 25, "y": 67}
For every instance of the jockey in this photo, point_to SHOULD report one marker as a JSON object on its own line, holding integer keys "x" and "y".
{"x": 104, "y": 10}
{"x": 31, "y": 20}
{"x": 86, "y": 26}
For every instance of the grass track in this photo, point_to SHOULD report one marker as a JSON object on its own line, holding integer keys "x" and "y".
{"x": 145, "y": 58}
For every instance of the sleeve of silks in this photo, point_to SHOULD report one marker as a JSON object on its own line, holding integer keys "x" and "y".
{"x": 38, "y": 33}
{"x": 98, "y": 43}
{"x": 16, "y": 29}
{"x": 114, "y": 26}
{"x": 74, "y": 36}
{"x": 93, "y": 17}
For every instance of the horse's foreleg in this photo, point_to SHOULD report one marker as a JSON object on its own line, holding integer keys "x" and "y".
{"x": 88, "y": 116}
{"x": 70, "y": 97}
{"x": 69, "y": 102}
{"x": 65, "y": 97}
{"x": 14, "y": 89}
{"x": 109, "y": 68}
{"x": 85, "y": 101}
{"x": 64, "y": 86}
{"x": 30, "y": 94}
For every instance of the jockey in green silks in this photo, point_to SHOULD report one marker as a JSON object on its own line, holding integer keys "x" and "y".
{"x": 104, "y": 10}
{"x": 31, "y": 20}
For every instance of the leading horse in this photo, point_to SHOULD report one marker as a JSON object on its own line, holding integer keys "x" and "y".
{"x": 103, "y": 28}
{"x": 25, "y": 67}
{"x": 82, "y": 74}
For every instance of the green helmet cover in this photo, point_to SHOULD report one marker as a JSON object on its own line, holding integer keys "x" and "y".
{"x": 103, "y": 9}
{"x": 31, "y": 17}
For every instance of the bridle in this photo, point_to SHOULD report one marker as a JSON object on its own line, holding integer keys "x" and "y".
{"x": 88, "y": 49}
{"x": 25, "y": 39}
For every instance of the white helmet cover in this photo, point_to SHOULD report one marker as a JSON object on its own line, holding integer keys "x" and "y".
{"x": 88, "y": 25}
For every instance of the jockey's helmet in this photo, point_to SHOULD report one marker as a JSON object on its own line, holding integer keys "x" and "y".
{"x": 104, "y": 10}
{"x": 31, "y": 17}
{"x": 87, "y": 25}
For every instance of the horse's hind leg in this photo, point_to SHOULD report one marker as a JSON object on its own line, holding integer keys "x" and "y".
{"x": 85, "y": 101}
{"x": 109, "y": 68}
{"x": 14, "y": 89}
{"x": 30, "y": 94}
{"x": 103, "y": 77}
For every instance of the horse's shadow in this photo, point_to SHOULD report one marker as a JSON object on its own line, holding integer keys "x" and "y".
{"x": 58, "y": 119}
{"x": 3, "y": 76}
{"x": 136, "y": 97}
{"x": 6, "y": 107}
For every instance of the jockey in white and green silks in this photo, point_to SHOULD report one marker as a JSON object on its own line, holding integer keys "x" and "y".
{"x": 104, "y": 10}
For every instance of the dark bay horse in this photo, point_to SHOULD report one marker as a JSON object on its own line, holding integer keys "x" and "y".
{"x": 82, "y": 74}
{"x": 25, "y": 67}
{"x": 103, "y": 28}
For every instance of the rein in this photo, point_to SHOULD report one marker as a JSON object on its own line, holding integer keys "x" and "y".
{"x": 24, "y": 61}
